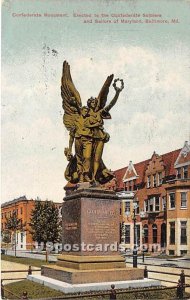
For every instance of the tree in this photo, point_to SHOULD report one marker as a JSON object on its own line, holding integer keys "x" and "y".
{"x": 6, "y": 236}
{"x": 44, "y": 223}
{"x": 13, "y": 224}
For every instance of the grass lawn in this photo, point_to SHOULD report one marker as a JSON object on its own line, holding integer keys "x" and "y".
{"x": 25, "y": 260}
{"x": 36, "y": 290}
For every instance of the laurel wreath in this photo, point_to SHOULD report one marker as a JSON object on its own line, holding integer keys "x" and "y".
{"x": 116, "y": 87}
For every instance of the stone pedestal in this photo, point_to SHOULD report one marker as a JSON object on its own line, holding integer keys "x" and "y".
{"x": 91, "y": 232}
{"x": 91, "y": 223}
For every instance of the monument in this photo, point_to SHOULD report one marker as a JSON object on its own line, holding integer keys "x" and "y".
{"x": 90, "y": 259}
{"x": 86, "y": 131}
{"x": 90, "y": 215}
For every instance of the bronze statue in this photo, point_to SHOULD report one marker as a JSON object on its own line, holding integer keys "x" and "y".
{"x": 85, "y": 126}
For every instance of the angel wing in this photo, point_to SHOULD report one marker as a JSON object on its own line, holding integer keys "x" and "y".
{"x": 102, "y": 97}
{"x": 71, "y": 98}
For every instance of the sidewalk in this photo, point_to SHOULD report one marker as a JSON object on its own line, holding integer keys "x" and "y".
{"x": 172, "y": 278}
{"x": 11, "y": 266}
{"x": 32, "y": 255}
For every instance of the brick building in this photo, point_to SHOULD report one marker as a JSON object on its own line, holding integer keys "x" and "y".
{"x": 178, "y": 206}
{"x": 161, "y": 189}
{"x": 23, "y": 208}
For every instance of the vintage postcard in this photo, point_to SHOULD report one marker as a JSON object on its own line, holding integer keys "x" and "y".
{"x": 95, "y": 100}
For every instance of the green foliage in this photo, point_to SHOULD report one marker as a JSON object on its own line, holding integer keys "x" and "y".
{"x": 6, "y": 236}
{"x": 13, "y": 223}
{"x": 34, "y": 290}
{"x": 44, "y": 223}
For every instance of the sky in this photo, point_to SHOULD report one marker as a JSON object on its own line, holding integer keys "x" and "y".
{"x": 152, "y": 112}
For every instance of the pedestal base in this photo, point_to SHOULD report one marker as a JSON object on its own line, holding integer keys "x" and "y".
{"x": 90, "y": 276}
{"x": 88, "y": 269}
{"x": 87, "y": 287}
{"x": 92, "y": 262}
{"x": 91, "y": 221}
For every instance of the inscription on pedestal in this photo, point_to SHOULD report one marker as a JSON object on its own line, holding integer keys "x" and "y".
{"x": 101, "y": 222}
{"x": 71, "y": 226}
{"x": 91, "y": 225}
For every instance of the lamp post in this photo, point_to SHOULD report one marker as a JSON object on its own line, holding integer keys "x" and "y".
{"x": 15, "y": 233}
{"x": 135, "y": 236}
{"x": 143, "y": 246}
{"x": 142, "y": 215}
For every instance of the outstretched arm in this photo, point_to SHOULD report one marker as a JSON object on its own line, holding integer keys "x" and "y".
{"x": 118, "y": 90}
{"x": 113, "y": 102}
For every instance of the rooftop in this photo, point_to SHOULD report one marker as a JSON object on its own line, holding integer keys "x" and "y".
{"x": 140, "y": 167}
{"x": 21, "y": 199}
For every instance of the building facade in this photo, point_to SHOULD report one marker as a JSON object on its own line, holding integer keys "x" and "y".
{"x": 178, "y": 206}
{"x": 23, "y": 208}
{"x": 160, "y": 187}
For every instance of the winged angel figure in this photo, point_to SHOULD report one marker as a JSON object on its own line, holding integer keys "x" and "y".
{"x": 85, "y": 126}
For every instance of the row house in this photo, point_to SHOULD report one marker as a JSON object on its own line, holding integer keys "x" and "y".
{"x": 23, "y": 208}
{"x": 178, "y": 206}
{"x": 160, "y": 187}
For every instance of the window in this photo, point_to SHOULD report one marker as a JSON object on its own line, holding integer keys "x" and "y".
{"x": 131, "y": 185}
{"x": 157, "y": 203}
{"x": 127, "y": 234}
{"x": 21, "y": 210}
{"x": 2, "y": 216}
{"x": 185, "y": 172}
{"x": 163, "y": 203}
{"x": 183, "y": 233}
{"x": 134, "y": 186}
{"x": 21, "y": 237}
{"x": 172, "y": 233}
{"x": 178, "y": 173}
{"x": 154, "y": 180}
{"x": 183, "y": 252}
{"x": 121, "y": 232}
{"x": 145, "y": 205}
{"x": 2, "y": 226}
{"x": 148, "y": 181}
{"x": 127, "y": 207}
{"x": 171, "y": 252}
{"x": 145, "y": 233}
{"x": 137, "y": 207}
{"x": 151, "y": 204}
{"x": 172, "y": 200}
{"x": 183, "y": 199}
{"x": 154, "y": 233}
{"x": 159, "y": 178}
{"x": 163, "y": 235}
